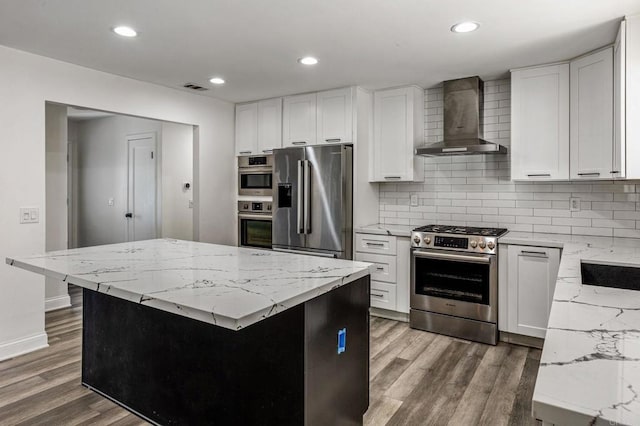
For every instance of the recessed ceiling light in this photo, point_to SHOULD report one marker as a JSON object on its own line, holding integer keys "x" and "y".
{"x": 216, "y": 80}
{"x": 308, "y": 60}
{"x": 125, "y": 31}
{"x": 465, "y": 27}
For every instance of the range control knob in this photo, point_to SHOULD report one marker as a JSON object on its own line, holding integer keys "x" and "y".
{"x": 245, "y": 206}
{"x": 268, "y": 206}
{"x": 473, "y": 244}
{"x": 491, "y": 245}
{"x": 427, "y": 240}
{"x": 416, "y": 239}
{"x": 482, "y": 244}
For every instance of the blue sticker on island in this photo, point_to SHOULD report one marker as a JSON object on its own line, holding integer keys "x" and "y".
{"x": 342, "y": 340}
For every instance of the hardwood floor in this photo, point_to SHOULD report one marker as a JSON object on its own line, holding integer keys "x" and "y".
{"x": 417, "y": 378}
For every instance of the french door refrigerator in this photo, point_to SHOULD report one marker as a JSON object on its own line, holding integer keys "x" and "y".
{"x": 313, "y": 200}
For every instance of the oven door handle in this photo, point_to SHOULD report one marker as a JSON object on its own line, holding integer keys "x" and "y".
{"x": 255, "y": 216}
{"x": 456, "y": 257}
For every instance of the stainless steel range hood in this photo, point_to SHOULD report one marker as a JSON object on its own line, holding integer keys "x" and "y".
{"x": 463, "y": 122}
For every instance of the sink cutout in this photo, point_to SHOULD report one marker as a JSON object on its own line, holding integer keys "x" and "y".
{"x": 624, "y": 277}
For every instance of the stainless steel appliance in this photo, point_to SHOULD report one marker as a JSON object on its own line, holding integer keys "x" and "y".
{"x": 463, "y": 121}
{"x": 255, "y": 175}
{"x": 454, "y": 281}
{"x": 254, "y": 224}
{"x": 312, "y": 200}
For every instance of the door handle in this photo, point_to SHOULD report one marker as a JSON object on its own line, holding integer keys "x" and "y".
{"x": 307, "y": 197}
{"x": 333, "y": 140}
{"x": 539, "y": 175}
{"x": 533, "y": 253}
{"x": 300, "y": 196}
{"x": 299, "y": 143}
{"x": 128, "y": 215}
{"x": 589, "y": 174}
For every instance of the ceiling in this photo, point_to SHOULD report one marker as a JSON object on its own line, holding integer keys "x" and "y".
{"x": 254, "y": 44}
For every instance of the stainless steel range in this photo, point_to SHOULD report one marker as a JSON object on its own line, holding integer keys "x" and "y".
{"x": 454, "y": 281}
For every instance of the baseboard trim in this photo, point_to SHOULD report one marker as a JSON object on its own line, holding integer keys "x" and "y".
{"x": 519, "y": 339}
{"x": 22, "y": 346}
{"x": 393, "y": 315}
{"x": 58, "y": 302}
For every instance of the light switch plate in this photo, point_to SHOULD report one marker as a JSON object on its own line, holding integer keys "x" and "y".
{"x": 29, "y": 215}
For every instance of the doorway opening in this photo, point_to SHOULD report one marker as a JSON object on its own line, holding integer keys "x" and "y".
{"x": 112, "y": 178}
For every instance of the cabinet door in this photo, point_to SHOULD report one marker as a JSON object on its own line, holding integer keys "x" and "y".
{"x": 592, "y": 116}
{"x": 393, "y": 135}
{"x": 619, "y": 100}
{"x": 540, "y": 123}
{"x": 269, "y": 125}
{"x": 299, "y": 120}
{"x": 532, "y": 273}
{"x": 335, "y": 116}
{"x": 247, "y": 129}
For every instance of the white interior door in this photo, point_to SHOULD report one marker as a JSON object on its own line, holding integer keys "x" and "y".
{"x": 142, "y": 204}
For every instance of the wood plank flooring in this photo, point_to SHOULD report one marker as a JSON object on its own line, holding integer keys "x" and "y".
{"x": 417, "y": 378}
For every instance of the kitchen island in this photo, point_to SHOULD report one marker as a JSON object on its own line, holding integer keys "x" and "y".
{"x": 191, "y": 333}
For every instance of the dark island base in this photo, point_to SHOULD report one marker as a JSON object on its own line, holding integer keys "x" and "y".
{"x": 284, "y": 370}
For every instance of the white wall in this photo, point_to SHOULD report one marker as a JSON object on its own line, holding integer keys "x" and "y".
{"x": 27, "y": 81}
{"x": 102, "y": 163}
{"x": 177, "y": 169}
{"x": 55, "y": 291}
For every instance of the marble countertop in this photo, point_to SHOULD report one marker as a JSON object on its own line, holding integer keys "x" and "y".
{"x": 228, "y": 286}
{"x": 386, "y": 229}
{"x": 590, "y": 366}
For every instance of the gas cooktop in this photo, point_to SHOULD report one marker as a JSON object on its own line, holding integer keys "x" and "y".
{"x": 462, "y": 230}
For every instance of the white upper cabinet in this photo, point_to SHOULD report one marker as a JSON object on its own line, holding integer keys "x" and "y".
{"x": 269, "y": 125}
{"x": 398, "y": 129}
{"x": 630, "y": 85}
{"x": 247, "y": 129}
{"x": 299, "y": 120}
{"x": 335, "y": 116}
{"x": 619, "y": 103}
{"x": 540, "y": 123}
{"x": 592, "y": 116}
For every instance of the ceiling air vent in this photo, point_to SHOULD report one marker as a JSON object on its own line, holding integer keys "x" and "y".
{"x": 194, "y": 86}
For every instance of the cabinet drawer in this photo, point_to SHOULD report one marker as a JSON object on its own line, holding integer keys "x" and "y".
{"x": 383, "y": 295}
{"x": 377, "y": 244}
{"x": 385, "y": 266}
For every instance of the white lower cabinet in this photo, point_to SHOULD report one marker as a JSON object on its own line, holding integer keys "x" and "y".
{"x": 527, "y": 281}
{"x": 390, "y": 279}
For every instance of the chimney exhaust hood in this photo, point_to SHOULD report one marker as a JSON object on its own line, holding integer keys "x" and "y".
{"x": 463, "y": 121}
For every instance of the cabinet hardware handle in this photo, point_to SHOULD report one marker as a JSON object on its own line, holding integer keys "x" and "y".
{"x": 589, "y": 174}
{"x": 539, "y": 175}
{"x": 333, "y": 140}
{"x": 379, "y": 268}
{"x": 533, "y": 253}
{"x": 614, "y": 171}
{"x": 299, "y": 143}
{"x": 267, "y": 151}
{"x": 245, "y": 152}
{"x": 393, "y": 177}
{"x": 377, "y": 295}
{"x": 376, "y": 244}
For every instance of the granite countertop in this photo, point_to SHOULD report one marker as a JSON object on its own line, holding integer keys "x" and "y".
{"x": 228, "y": 286}
{"x": 386, "y": 229}
{"x": 590, "y": 366}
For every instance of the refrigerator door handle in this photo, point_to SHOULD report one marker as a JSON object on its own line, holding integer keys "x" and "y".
{"x": 307, "y": 197}
{"x": 300, "y": 195}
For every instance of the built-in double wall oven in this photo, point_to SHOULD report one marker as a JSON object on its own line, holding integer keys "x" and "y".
{"x": 254, "y": 224}
{"x": 255, "y": 175}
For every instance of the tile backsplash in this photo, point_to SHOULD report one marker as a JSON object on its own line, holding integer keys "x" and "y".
{"x": 476, "y": 190}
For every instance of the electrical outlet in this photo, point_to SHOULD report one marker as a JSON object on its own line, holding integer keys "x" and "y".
{"x": 414, "y": 200}
{"x": 110, "y": 202}
{"x": 574, "y": 204}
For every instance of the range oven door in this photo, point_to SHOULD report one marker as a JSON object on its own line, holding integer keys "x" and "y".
{"x": 452, "y": 283}
{"x": 254, "y": 230}
{"x": 258, "y": 181}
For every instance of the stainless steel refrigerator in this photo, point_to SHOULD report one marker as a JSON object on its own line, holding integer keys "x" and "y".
{"x": 313, "y": 200}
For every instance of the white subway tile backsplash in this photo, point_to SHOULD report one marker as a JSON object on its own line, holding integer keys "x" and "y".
{"x": 476, "y": 190}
